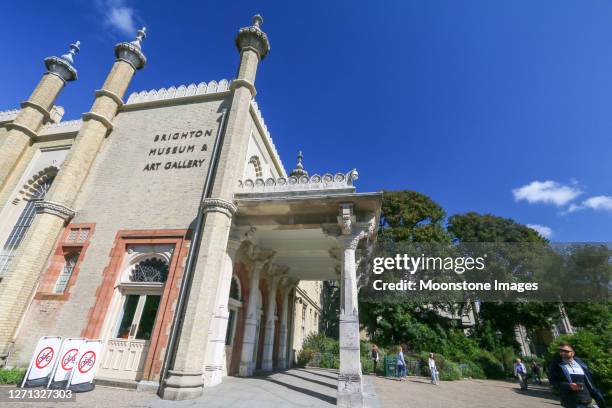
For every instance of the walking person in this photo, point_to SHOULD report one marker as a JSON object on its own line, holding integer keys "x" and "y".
{"x": 375, "y": 356}
{"x": 574, "y": 381}
{"x": 535, "y": 373}
{"x": 433, "y": 369}
{"x": 520, "y": 372}
{"x": 401, "y": 364}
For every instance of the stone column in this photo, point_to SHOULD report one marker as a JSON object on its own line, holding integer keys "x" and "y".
{"x": 55, "y": 211}
{"x": 247, "y": 363}
{"x": 215, "y": 350}
{"x": 283, "y": 331}
{"x": 36, "y": 110}
{"x": 268, "y": 348}
{"x": 185, "y": 376}
{"x": 350, "y": 388}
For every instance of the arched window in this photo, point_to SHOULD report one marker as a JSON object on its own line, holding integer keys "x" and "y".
{"x": 38, "y": 192}
{"x": 150, "y": 270}
{"x": 235, "y": 289}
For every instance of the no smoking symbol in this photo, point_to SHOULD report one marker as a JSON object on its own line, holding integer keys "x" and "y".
{"x": 69, "y": 359}
{"x": 87, "y": 362}
{"x": 44, "y": 357}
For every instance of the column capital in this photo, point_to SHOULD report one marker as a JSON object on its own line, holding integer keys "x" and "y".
{"x": 63, "y": 66}
{"x": 253, "y": 38}
{"x": 218, "y": 205}
{"x": 53, "y": 208}
{"x": 131, "y": 52}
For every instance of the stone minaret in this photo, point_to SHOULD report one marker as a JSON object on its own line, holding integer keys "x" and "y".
{"x": 36, "y": 110}
{"x": 56, "y": 210}
{"x": 185, "y": 375}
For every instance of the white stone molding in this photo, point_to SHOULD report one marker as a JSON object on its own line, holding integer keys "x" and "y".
{"x": 247, "y": 84}
{"x": 105, "y": 92}
{"x": 266, "y": 135}
{"x": 102, "y": 119}
{"x": 181, "y": 91}
{"x": 8, "y": 115}
{"x": 46, "y": 114}
{"x": 340, "y": 181}
{"x": 32, "y": 134}
{"x": 53, "y": 208}
{"x": 218, "y": 205}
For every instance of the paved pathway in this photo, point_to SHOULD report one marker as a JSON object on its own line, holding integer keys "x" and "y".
{"x": 298, "y": 388}
{"x": 417, "y": 392}
{"x": 294, "y": 388}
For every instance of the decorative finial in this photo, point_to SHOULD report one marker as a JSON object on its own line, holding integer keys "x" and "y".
{"x": 140, "y": 35}
{"x": 72, "y": 51}
{"x": 253, "y": 37}
{"x": 131, "y": 52}
{"x": 299, "y": 168}
{"x": 62, "y": 66}
{"x": 257, "y": 20}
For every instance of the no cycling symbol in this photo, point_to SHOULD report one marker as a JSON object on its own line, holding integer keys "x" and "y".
{"x": 87, "y": 362}
{"x": 44, "y": 357}
{"x": 69, "y": 359}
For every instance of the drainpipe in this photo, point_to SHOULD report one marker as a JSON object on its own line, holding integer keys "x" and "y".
{"x": 190, "y": 263}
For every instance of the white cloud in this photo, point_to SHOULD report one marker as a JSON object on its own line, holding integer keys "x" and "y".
{"x": 543, "y": 230}
{"x": 118, "y": 15}
{"x": 602, "y": 203}
{"x": 548, "y": 192}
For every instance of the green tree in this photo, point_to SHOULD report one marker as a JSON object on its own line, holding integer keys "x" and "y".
{"x": 330, "y": 309}
{"x": 504, "y": 316}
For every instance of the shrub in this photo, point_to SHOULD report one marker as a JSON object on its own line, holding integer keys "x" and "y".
{"x": 304, "y": 357}
{"x": 471, "y": 370}
{"x": 11, "y": 375}
{"x": 449, "y": 371}
{"x": 490, "y": 365}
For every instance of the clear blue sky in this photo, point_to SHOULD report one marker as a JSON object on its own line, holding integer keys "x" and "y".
{"x": 465, "y": 101}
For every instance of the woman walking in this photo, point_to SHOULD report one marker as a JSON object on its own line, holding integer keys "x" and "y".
{"x": 401, "y": 364}
{"x": 432, "y": 369}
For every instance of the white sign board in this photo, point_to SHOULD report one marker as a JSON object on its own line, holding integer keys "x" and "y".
{"x": 43, "y": 360}
{"x": 87, "y": 362}
{"x": 67, "y": 359}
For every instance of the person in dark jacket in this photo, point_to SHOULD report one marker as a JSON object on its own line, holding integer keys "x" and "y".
{"x": 574, "y": 381}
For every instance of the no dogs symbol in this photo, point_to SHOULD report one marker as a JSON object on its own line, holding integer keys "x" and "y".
{"x": 44, "y": 357}
{"x": 69, "y": 358}
{"x": 87, "y": 362}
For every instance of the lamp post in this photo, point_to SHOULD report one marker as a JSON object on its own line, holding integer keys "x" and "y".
{"x": 499, "y": 336}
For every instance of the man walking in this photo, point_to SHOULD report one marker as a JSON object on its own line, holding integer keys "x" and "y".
{"x": 520, "y": 372}
{"x": 574, "y": 381}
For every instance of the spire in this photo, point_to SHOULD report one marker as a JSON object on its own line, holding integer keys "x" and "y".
{"x": 131, "y": 52}
{"x": 72, "y": 51}
{"x": 299, "y": 168}
{"x": 140, "y": 35}
{"x": 254, "y": 38}
{"x": 63, "y": 66}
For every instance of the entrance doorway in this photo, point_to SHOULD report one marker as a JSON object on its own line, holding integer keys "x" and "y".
{"x": 130, "y": 336}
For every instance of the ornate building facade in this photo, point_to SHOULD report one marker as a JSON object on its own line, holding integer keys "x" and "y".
{"x": 166, "y": 225}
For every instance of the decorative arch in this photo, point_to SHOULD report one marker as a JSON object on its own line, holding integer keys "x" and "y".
{"x": 256, "y": 163}
{"x": 38, "y": 185}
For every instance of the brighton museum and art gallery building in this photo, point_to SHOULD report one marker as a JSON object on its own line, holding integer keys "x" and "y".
{"x": 165, "y": 224}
